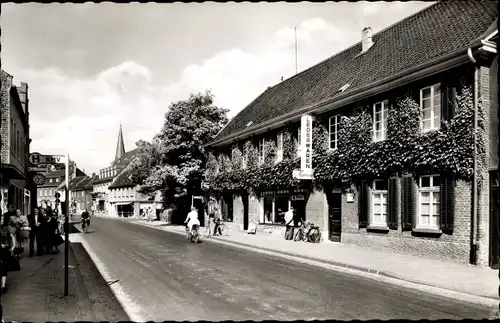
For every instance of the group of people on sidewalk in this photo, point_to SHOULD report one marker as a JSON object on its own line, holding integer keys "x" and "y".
{"x": 18, "y": 231}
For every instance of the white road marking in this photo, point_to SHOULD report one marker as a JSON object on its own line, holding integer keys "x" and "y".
{"x": 133, "y": 310}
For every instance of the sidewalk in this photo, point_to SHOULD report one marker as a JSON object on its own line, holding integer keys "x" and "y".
{"x": 448, "y": 275}
{"x": 36, "y": 293}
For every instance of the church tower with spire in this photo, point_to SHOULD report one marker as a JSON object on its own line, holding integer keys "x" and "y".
{"x": 120, "y": 146}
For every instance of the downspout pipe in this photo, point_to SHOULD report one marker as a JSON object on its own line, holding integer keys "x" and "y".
{"x": 474, "y": 222}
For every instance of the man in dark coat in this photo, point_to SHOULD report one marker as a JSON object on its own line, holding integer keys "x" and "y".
{"x": 35, "y": 221}
{"x": 6, "y": 216}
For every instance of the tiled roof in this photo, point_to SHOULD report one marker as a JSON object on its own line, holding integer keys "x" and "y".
{"x": 126, "y": 158}
{"x": 75, "y": 182}
{"x": 81, "y": 185}
{"x": 90, "y": 183}
{"x": 124, "y": 178}
{"x": 438, "y": 30}
{"x": 103, "y": 180}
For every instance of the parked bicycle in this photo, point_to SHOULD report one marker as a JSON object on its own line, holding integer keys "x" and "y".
{"x": 222, "y": 229}
{"x": 308, "y": 232}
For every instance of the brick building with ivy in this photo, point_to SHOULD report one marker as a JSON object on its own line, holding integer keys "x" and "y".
{"x": 393, "y": 141}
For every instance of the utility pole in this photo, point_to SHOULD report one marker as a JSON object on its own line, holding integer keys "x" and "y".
{"x": 66, "y": 230}
{"x": 296, "y": 69}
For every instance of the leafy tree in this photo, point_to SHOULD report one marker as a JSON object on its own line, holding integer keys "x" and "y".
{"x": 174, "y": 162}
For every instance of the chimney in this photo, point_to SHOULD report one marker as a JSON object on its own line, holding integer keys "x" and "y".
{"x": 366, "y": 39}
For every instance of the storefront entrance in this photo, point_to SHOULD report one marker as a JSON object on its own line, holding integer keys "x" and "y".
{"x": 494, "y": 260}
{"x": 227, "y": 208}
{"x": 334, "y": 215}
{"x": 299, "y": 205}
{"x": 244, "y": 199}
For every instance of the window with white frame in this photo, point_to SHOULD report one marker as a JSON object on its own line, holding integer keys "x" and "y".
{"x": 261, "y": 151}
{"x": 430, "y": 105}
{"x": 273, "y": 209}
{"x": 279, "y": 147}
{"x": 267, "y": 215}
{"x": 428, "y": 204}
{"x": 333, "y": 130}
{"x": 380, "y": 115}
{"x": 379, "y": 202}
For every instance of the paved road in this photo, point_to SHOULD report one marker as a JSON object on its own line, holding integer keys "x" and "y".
{"x": 171, "y": 279}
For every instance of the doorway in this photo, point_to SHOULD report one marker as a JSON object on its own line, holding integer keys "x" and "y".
{"x": 227, "y": 207}
{"x": 244, "y": 198}
{"x": 494, "y": 261}
{"x": 299, "y": 207}
{"x": 334, "y": 215}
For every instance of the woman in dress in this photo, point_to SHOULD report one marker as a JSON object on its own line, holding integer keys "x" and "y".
{"x": 19, "y": 227}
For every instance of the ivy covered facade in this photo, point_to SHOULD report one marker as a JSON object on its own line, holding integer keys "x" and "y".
{"x": 393, "y": 164}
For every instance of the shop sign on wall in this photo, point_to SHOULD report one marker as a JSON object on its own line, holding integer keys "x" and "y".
{"x": 306, "y": 170}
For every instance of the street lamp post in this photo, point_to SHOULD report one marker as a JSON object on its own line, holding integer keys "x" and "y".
{"x": 66, "y": 230}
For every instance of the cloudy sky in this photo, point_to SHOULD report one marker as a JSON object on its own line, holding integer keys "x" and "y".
{"x": 91, "y": 66}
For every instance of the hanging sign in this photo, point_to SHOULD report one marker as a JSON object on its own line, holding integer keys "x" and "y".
{"x": 39, "y": 179}
{"x": 298, "y": 197}
{"x": 306, "y": 171}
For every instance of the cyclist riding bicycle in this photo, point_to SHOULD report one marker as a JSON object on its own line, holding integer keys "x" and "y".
{"x": 86, "y": 217}
{"x": 192, "y": 219}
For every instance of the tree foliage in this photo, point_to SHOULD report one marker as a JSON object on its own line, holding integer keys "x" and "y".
{"x": 174, "y": 162}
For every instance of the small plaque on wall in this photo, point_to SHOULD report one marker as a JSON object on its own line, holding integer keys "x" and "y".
{"x": 350, "y": 197}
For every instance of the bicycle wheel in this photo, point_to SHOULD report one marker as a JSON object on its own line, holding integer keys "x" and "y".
{"x": 223, "y": 230}
{"x": 315, "y": 236}
{"x": 305, "y": 236}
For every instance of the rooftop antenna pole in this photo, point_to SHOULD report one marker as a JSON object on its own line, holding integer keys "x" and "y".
{"x": 296, "y": 50}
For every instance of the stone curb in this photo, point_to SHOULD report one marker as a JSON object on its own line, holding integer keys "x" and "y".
{"x": 480, "y": 299}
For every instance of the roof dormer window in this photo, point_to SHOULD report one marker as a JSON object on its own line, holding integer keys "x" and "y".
{"x": 344, "y": 87}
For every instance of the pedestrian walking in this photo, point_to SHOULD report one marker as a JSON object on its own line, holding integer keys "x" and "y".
{"x": 217, "y": 219}
{"x": 211, "y": 209}
{"x": 289, "y": 224}
{"x": 35, "y": 219}
{"x": 19, "y": 227}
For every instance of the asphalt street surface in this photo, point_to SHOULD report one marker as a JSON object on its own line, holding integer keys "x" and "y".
{"x": 172, "y": 279}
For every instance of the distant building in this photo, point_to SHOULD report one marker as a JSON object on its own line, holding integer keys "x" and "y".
{"x": 108, "y": 174}
{"x": 114, "y": 192}
{"x": 81, "y": 189}
{"x": 53, "y": 183}
{"x": 16, "y": 186}
{"x": 125, "y": 199}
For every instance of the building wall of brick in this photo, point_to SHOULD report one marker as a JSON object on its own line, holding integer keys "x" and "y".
{"x": 454, "y": 247}
{"x": 6, "y": 83}
{"x": 493, "y": 118}
{"x": 254, "y": 210}
{"x": 483, "y": 206}
{"x": 315, "y": 210}
{"x": 237, "y": 209}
